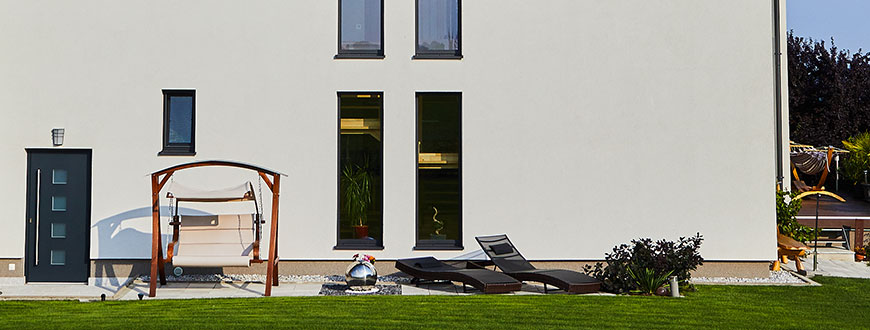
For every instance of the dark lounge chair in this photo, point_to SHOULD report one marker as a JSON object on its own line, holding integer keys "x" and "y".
{"x": 429, "y": 268}
{"x": 507, "y": 258}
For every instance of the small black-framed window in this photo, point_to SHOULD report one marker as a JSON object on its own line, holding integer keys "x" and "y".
{"x": 439, "y": 29}
{"x": 360, "y": 29}
{"x": 439, "y": 171}
{"x": 179, "y": 122}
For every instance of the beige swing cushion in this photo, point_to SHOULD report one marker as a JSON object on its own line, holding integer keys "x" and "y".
{"x": 215, "y": 240}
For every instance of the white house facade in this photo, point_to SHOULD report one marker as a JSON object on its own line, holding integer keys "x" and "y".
{"x": 570, "y": 125}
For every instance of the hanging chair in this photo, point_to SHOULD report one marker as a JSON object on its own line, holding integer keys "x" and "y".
{"x": 811, "y": 161}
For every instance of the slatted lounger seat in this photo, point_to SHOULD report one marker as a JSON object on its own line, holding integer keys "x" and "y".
{"x": 214, "y": 240}
{"x": 429, "y": 268}
{"x": 507, "y": 258}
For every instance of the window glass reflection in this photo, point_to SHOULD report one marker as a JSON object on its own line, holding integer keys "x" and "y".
{"x": 438, "y": 25}
{"x": 360, "y": 25}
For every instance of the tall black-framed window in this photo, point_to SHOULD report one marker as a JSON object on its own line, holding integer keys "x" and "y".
{"x": 360, "y": 170}
{"x": 360, "y": 29}
{"x": 439, "y": 171}
{"x": 439, "y": 29}
{"x": 179, "y": 122}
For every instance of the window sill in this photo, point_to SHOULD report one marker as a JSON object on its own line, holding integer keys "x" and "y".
{"x": 176, "y": 153}
{"x": 438, "y": 248}
{"x": 436, "y": 57}
{"x": 357, "y": 247}
{"x": 358, "y": 57}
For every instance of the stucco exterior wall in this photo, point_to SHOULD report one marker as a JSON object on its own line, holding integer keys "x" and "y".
{"x": 585, "y": 123}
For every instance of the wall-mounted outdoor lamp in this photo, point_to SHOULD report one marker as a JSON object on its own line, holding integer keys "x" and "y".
{"x": 57, "y": 136}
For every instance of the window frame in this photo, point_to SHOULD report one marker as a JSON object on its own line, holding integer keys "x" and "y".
{"x": 359, "y": 54}
{"x": 437, "y": 55}
{"x": 178, "y": 149}
{"x": 435, "y": 244}
{"x": 354, "y": 243}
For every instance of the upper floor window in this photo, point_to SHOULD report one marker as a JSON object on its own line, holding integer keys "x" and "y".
{"x": 360, "y": 29}
{"x": 439, "y": 29}
{"x": 179, "y": 113}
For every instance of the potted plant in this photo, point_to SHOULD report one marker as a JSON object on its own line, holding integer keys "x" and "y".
{"x": 860, "y": 254}
{"x": 357, "y": 184}
{"x": 856, "y": 166}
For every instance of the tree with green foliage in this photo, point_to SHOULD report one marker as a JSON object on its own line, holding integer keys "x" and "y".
{"x": 829, "y": 92}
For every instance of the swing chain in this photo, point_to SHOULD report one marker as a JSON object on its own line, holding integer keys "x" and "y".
{"x": 260, "y": 199}
{"x": 171, "y": 199}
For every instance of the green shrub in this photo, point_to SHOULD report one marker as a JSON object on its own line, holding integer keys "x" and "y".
{"x": 648, "y": 281}
{"x": 786, "y": 213}
{"x": 660, "y": 257}
{"x": 858, "y": 161}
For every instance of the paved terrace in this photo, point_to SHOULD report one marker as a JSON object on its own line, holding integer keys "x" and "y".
{"x": 191, "y": 290}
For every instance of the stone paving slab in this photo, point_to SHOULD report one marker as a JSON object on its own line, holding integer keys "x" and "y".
{"x": 834, "y": 267}
{"x": 56, "y": 291}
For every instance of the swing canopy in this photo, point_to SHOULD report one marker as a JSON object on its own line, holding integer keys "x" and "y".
{"x": 199, "y": 229}
{"x": 242, "y": 192}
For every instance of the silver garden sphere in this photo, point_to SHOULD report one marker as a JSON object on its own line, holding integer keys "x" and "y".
{"x": 361, "y": 274}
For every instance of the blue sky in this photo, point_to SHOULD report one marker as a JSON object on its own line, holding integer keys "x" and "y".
{"x": 848, "y": 21}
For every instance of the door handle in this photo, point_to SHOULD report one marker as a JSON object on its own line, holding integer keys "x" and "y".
{"x": 36, "y": 230}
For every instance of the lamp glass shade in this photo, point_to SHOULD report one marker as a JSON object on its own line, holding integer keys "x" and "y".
{"x": 57, "y": 136}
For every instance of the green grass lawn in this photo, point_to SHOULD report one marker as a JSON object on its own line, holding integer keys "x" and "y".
{"x": 838, "y": 304}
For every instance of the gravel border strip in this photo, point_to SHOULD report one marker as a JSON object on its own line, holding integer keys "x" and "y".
{"x": 262, "y": 278}
{"x": 784, "y": 278}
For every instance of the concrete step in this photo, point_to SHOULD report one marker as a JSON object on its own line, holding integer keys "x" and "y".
{"x": 832, "y": 253}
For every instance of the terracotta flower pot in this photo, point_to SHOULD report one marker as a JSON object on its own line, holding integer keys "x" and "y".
{"x": 860, "y": 257}
{"x": 361, "y": 231}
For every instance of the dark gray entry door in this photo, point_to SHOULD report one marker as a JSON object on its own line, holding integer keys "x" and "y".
{"x": 58, "y": 215}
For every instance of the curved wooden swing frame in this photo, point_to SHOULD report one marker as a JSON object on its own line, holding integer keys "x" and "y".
{"x": 161, "y": 177}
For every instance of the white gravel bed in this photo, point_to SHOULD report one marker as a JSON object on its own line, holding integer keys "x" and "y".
{"x": 780, "y": 277}
{"x": 262, "y": 278}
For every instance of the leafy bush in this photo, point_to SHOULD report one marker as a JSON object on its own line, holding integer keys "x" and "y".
{"x": 648, "y": 281}
{"x": 660, "y": 256}
{"x": 858, "y": 161}
{"x": 785, "y": 217}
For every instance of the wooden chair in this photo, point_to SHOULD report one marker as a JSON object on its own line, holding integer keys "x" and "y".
{"x": 788, "y": 247}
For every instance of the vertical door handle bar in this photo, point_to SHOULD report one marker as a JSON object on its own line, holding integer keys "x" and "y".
{"x": 36, "y": 230}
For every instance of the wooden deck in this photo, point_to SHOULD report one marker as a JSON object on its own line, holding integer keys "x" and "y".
{"x": 834, "y": 214}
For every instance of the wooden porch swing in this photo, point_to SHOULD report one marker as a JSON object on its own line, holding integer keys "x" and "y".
{"x": 198, "y": 229}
